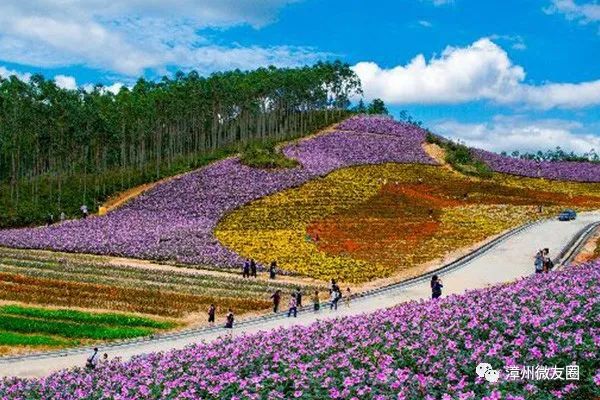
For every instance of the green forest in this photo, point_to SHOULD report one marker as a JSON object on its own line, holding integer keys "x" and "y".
{"x": 61, "y": 149}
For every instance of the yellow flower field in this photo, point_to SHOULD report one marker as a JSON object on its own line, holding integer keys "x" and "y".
{"x": 372, "y": 221}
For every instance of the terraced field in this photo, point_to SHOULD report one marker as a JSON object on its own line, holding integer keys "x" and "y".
{"x": 33, "y": 327}
{"x": 169, "y": 296}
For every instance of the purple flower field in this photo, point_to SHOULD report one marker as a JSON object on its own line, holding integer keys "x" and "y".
{"x": 557, "y": 170}
{"x": 417, "y": 350}
{"x": 176, "y": 219}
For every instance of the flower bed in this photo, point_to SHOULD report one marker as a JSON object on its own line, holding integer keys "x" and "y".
{"x": 372, "y": 221}
{"x": 175, "y": 220}
{"x": 424, "y": 350}
{"x": 558, "y": 170}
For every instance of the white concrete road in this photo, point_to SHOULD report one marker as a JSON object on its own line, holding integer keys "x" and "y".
{"x": 506, "y": 261}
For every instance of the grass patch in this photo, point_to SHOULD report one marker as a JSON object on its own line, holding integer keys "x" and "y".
{"x": 69, "y": 329}
{"x": 460, "y": 157}
{"x": 265, "y": 155}
{"x": 85, "y": 317}
{"x": 20, "y": 339}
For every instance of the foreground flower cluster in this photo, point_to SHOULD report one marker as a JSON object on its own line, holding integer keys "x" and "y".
{"x": 558, "y": 170}
{"x": 175, "y": 220}
{"x": 418, "y": 350}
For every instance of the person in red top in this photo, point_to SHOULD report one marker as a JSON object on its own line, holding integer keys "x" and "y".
{"x": 276, "y": 300}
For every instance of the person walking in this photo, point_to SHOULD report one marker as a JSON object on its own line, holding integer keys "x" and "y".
{"x": 63, "y": 216}
{"x": 246, "y": 269}
{"x": 539, "y": 262}
{"x": 229, "y": 319}
{"x": 92, "y": 360}
{"x": 293, "y": 306}
{"x": 548, "y": 264}
{"x": 49, "y": 219}
{"x": 298, "y": 295}
{"x": 253, "y": 268}
{"x": 276, "y": 300}
{"x": 211, "y": 314}
{"x": 347, "y": 298}
{"x": 316, "y": 301}
{"x": 273, "y": 269}
{"x": 336, "y": 295}
{"x": 436, "y": 287}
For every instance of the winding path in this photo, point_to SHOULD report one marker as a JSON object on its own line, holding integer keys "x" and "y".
{"x": 506, "y": 259}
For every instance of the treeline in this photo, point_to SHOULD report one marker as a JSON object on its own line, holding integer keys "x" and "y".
{"x": 557, "y": 154}
{"x": 62, "y": 148}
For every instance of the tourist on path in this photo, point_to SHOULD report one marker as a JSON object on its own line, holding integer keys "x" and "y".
{"x": 539, "y": 262}
{"x": 273, "y": 269}
{"x": 298, "y": 295}
{"x": 92, "y": 360}
{"x": 211, "y": 314}
{"x": 316, "y": 301}
{"x": 336, "y": 295}
{"x": 229, "y": 319}
{"x": 436, "y": 287}
{"x": 548, "y": 264}
{"x": 347, "y": 298}
{"x": 253, "y": 268}
{"x": 293, "y": 306}
{"x": 276, "y": 300}
{"x": 246, "y": 269}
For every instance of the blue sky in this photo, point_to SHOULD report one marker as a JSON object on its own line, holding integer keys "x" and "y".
{"x": 501, "y": 75}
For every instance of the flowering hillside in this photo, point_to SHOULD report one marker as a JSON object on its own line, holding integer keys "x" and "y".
{"x": 176, "y": 219}
{"x": 375, "y": 221}
{"x": 558, "y": 170}
{"x": 416, "y": 350}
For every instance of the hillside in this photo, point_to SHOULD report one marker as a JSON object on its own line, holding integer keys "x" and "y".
{"x": 363, "y": 203}
{"x": 176, "y": 219}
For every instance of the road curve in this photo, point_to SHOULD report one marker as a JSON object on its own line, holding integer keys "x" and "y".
{"x": 504, "y": 260}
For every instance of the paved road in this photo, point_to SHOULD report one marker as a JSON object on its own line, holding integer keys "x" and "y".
{"x": 506, "y": 261}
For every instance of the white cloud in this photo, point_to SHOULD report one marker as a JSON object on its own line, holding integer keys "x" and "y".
{"x": 509, "y": 133}
{"x": 425, "y": 24}
{"x": 6, "y": 73}
{"x": 131, "y": 36}
{"x": 65, "y": 82}
{"x": 480, "y": 71}
{"x": 584, "y": 12}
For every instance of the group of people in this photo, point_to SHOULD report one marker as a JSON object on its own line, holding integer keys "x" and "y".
{"x": 249, "y": 269}
{"x": 542, "y": 261}
{"x": 93, "y": 360}
{"x": 50, "y": 219}
{"x": 212, "y": 314}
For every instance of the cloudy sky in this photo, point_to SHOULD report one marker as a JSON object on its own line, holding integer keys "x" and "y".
{"x": 501, "y": 75}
